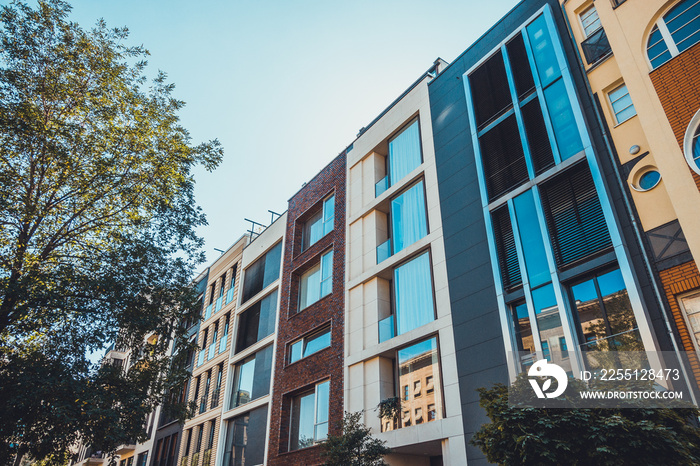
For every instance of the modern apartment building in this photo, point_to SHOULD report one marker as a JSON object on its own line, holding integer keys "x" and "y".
{"x": 307, "y": 398}
{"x": 642, "y": 61}
{"x": 542, "y": 257}
{"x": 399, "y": 342}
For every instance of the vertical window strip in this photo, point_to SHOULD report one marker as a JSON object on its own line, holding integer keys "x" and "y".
{"x": 505, "y": 248}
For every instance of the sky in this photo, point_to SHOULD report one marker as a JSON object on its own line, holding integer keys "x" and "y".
{"x": 285, "y": 86}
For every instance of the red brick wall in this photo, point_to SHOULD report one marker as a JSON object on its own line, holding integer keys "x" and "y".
{"x": 677, "y": 84}
{"x": 301, "y": 376}
{"x": 678, "y": 280}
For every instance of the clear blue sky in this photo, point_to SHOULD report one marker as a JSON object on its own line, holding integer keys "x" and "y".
{"x": 285, "y": 85}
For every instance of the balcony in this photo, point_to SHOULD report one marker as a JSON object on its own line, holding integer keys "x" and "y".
{"x": 202, "y": 404}
{"x": 596, "y": 46}
{"x": 222, "y": 343}
{"x": 229, "y": 294}
{"x": 207, "y": 313}
{"x": 125, "y": 448}
{"x": 219, "y": 303}
{"x": 200, "y": 359}
{"x": 212, "y": 351}
{"x": 384, "y": 251}
{"x": 381, "y": 186}
{"x": 386, "y": 329}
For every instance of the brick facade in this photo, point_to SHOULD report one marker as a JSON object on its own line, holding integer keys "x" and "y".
{"x": 678, "y": 89}
{"x": 327, "y": 364}
{"x": 676, "y": 281}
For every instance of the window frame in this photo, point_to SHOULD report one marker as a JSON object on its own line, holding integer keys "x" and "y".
{"x": 590, "y": 8}
{"x": 315, "y": 391}
{"x": 308, "y": 273}
{"x": 615, "y": 113}
{"x": 325, "y": 329}
{"x": 686, "y": 319}
{"x": 690, "y": 132}
{"x": 319, "y": 217}
{"x": 667, "y": 36}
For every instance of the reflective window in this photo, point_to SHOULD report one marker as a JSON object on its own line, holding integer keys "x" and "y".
{"x": 681, "y": 25}
{"x": 413, "y": 293}
{"x": 549, "y": 324}
{"x": 523, "y": 330}
{"x": 408, "y": 219}
{"x": 252, "y": 378}
{"x": 419, "y": 369}
{"x": 563, "y": 121}
{"x": 543, "y": 51}
{"x": 320, "y": 224}
{"x": 309, "y": 417}
{"x": 310, "y": 345}
{"x": 649, "y": 180}
{"x": 531, "y": 239}
{"x": 317, "y": 282}
{"x": 404, "y": 153}
{"x": 262, "y": 272}
{"x": 245, "y": 438}
{"x": 621, "y": 103}
{"x": 604, "y": 313}
{"x": 257, "y": 322}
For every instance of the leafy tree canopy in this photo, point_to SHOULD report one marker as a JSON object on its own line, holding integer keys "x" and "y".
{"x": 354, "y": 446}
{"x": 97, "y": 231}
{"x": 631, "y": 436}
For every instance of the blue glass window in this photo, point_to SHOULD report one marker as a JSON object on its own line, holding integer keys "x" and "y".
{"x": 531, "y": 239}
{"x": 543, "y": 51}
{"x": 413, "y": 288}
{"x": 408, "y": 219}
{"x": 549, "y": 322}
{"x": 563, "y": 121}
{"x": 649, "y": 180}
{"x": 310, "y": 345}
{"x": 695, "y": 144}
{"x": 317, "y": 282}
{"x": 622, "y": 104}
{"x": 683, "y": 25}
{"x": 404, "y": 153}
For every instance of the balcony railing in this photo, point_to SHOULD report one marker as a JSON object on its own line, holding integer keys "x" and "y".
{"x": 212, "y": 351}
{"x": 596, "y": 46}
{"x": 384, "y": 251}
{"x": 207, "y": 312}
{"x": 222, "y": 343}
{"x": 219, "y": 303}
{"x": 229, "y": 295}
{"x": 200, "y": 358}
{"x": 215, "y": 398}
{"x": 381, "y": 186}
{"x": 206, "y": 461}
{"x": 203, "y": 405}
{"x": 386, "y": 329}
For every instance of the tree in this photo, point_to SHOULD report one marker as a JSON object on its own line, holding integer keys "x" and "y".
{"x": 97, "y": 231}
{"x": 354, "y": 446}
{"x": 630, "y": 436}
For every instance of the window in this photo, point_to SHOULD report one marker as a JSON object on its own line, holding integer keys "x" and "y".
{"x": 413, "y": 294}
{"x": 416, "y": 363}
{"x": 647, "y": 180}
{"x": 691, "y": 143}
{"x": 309, "y": 417}
{"x": 317, "y": 282}
{"x": 505, "y": 248}
{"x": 232, "y": 284}
{"x": 604, "y": 314}
{"x": 203, "y": 402}
{"x": 408, "y": 218}
{"x": 310, "y": 345}
{"x": 224, "y": 337}
{"x": 574, "y": 216}
{"x": 245, "y": 438}
{"x": 404, "y": 153}
{"x": 621, "y": 103}
{"x": 262, "y": 272}
{"x": 217, "y": 387}
{"x": 257, "y": 322}
{"x": 523, "y": 332}
{"x": 142, "y": 459}
{"x": 674, "y": 33}
{"x": 210, "y": 442}
{"x": 189, "y": 441}
{"x": 691, "y": 308}
{"x": 200, "y": 434}
{"x": 251, "y": 378}
{"x": 320, "y": 224}
{"x": 590, "y": 21}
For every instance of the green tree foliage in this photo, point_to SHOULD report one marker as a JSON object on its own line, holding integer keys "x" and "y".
{"x": 631, "y": 436}
{"x": 354, "y": 446}
{"x": 97, "y": 231}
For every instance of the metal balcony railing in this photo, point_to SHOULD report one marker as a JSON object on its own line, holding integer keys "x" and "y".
{"x": 222, "y": 343}
{"x": 229, "y": 295}
{"x": 596, "y": 46}
{"x": 207, "y": 313}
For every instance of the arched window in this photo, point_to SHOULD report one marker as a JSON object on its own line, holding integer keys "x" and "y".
{"x": 675, "y": 32}
{"x": 691, "y": 143}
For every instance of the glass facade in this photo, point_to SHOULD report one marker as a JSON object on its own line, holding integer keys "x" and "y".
{"x": 252, "y": 378}
{"x": 257, "y": 322}
{"x": 404, "y": 153}
{"x": 413, "y": 294}
{"x": 245, "y": 439}
{"x": 309, "y": 423}
{"x": 419, "y": 382}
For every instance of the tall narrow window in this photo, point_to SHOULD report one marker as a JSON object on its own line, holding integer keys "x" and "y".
{"x": 408, "y": 218}
{"x": 621, "y": 103}
{"x": 590, "y": 21}
{"x": 405, "y": 153}
{"x": 232, "y": 284}
{"x": 413, "y": 293}
{"x": 245, "y": 438}
{"x": 317, "y": 282}
{"x": 257, "y": 322}
{"x": 252, "y": 378}
{"x": 549, "y": 324}
{"x": 503, "y": 158}
{"x": 523, "y": 332}
{"x": 489, "y": 89}
{"x": 505, "y": 247}
{"x": 224, "y": 337}
{"x": 320, "y": 224}
{"x": 217, "y": 388}
{"x": 262, "y": 272}
{"x": 419, "y": 369}
{"x": 310, "y": 417}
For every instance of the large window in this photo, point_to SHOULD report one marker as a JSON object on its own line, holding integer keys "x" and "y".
{"x": 310, "y": 344}
{"x": 674, "y": 33}
{"x": 404, "y": 153}
{"x": 316, "y": 282}
{"x": 262, "y": 272}
{"x": 320, "y": 224}
{"x": 309, "y": 417}
{"x": 257, "y": 322}
{"x": 251, "y": 378}
{"x": 245, "y": 439}
{"x": 604, "y": 313}
{"x": 408, "y": 218}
